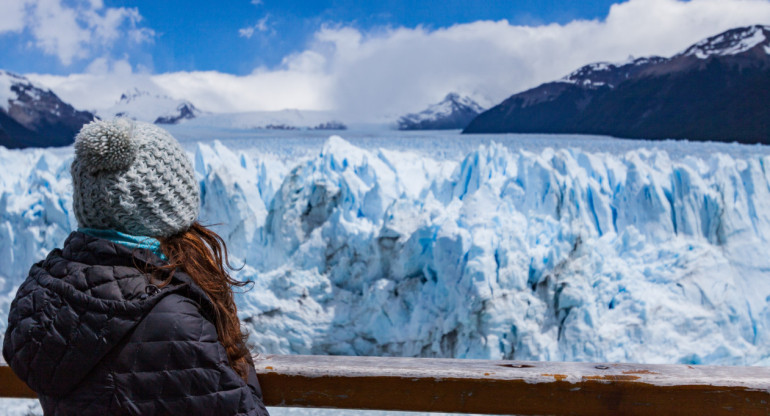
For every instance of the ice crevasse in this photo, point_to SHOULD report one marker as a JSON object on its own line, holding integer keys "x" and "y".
{"x": 554, "y": 255}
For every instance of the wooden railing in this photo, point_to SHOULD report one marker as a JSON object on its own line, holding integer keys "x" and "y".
{"x": 500, "y": 387}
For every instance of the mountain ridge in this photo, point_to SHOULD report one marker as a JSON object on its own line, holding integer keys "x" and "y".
{"x": 716, "y": 89}
{"x": 453, "y": 112}
{"x": 34, "y": 116}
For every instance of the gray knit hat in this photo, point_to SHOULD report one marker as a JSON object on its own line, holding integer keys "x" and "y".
{"x": 133, "y": 177}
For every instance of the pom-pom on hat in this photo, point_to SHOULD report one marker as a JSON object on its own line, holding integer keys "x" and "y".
{"x": 133, "y": 177}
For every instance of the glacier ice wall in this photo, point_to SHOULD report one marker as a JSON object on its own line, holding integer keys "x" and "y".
{"x": 553, "y": 255}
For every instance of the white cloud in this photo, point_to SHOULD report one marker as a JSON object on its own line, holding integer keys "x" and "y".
{"x": 364, "y": 75}
{"x": 246, "y": 32}
{"x": 100, "y": 86}
{"x": 256, "y": 2}
{"x": 405, "y": 69}
{"x": 71, "y": 31}
{"x": 260, "y": 26}
{"x": 11, "y": 16}
{"x": 301, "y": 86}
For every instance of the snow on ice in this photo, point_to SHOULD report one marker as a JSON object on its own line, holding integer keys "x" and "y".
{"x": 538, "y": 255}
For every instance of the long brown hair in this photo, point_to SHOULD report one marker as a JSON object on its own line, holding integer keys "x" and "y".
{"x": 202, "y": 254}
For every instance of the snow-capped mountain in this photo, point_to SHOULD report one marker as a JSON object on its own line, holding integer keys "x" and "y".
{"x": 161, "y": 109}
{"x": 150, "y": 107}
{"x": 751, "y": 42}
{"x": 33, "y": 116}
{"x": 453, "y": 112}
{"x": 733, "y": 42}
{"x": 716, "y": 89}
{"x": 610, "y": 74}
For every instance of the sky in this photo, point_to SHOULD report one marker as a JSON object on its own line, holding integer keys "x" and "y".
{"x": 189, "y": 35}
{"x": 360, "y": 59}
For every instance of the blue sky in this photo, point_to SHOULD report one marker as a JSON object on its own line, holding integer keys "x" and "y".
{"x": 204, "y": 35}
{"x": 358, "y": 59}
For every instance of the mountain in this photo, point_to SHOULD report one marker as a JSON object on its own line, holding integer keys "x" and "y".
{"x": 454, "y": 112}
{"x": 717, "y": 89}
{"x": 150, "y": 107}
{"x": 33, "y": 116}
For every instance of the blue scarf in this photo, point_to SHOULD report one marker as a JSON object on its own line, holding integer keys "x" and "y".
{"x": 128, "y": 240}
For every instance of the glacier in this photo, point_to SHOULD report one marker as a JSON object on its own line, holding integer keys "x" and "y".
{"x": 554, "y": 254}
{"x": 561, "y": 255}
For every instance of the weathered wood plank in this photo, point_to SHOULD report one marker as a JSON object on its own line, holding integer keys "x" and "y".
{"x": 500, "y": 387}
{"x": 512, "y": 387}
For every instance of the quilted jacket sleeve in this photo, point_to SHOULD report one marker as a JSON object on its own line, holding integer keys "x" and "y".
{"x": 174, "y": 364}
{"x": 256, "y": 390}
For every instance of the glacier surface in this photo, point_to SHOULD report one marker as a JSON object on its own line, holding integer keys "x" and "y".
{"x": 502, "y": 253}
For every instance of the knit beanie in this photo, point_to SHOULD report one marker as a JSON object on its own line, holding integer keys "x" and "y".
{"x": 133, "y": 177}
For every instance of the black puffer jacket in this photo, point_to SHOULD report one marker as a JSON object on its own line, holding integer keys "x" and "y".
{"x": 91, "y": 335}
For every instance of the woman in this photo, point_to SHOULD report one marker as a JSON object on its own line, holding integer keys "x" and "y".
{"x": 135, "y": 314}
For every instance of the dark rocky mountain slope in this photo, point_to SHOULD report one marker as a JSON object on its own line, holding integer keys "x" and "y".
{"x": 717, "y": 89}
{"x": 33, "y": 116}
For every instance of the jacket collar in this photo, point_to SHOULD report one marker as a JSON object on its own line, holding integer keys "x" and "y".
{"x": 85, "y": 248}
{"x": 128, "y": 240}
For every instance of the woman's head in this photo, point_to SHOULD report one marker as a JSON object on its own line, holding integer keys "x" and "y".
{"x": 133, "y": 177}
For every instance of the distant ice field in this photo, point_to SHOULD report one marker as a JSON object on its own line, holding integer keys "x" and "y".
{"x": 445, "y": 144}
